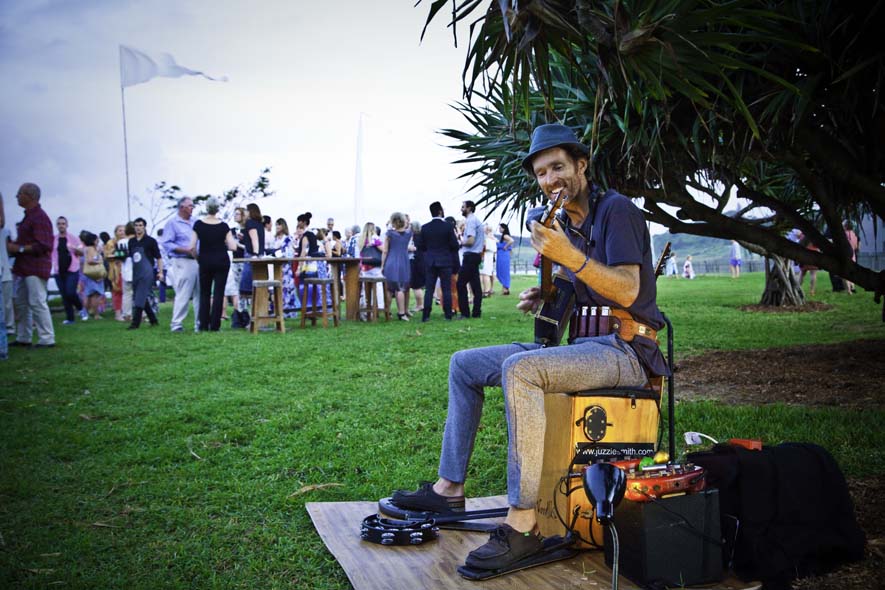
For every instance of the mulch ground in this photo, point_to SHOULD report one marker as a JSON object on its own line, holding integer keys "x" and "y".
{"x": 807, "y": 307}
{"x": 850, "y": 374}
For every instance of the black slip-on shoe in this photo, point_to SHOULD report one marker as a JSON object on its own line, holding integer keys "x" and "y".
{"x": 424, "y": 499}
{"x": 504, "y": 548}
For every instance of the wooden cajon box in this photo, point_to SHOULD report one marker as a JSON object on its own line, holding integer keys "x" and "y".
{"x": 584, "y": 428}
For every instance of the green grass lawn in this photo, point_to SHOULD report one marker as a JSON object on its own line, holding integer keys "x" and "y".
{"x": 155, "y": 460}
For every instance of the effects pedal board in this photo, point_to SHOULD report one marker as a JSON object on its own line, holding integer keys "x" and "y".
{"x": 660, "y": 481}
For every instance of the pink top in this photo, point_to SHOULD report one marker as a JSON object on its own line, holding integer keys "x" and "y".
{"x": 73, "y": 242}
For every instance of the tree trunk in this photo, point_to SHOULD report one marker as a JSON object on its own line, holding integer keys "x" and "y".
{"x": 781, "y": 283}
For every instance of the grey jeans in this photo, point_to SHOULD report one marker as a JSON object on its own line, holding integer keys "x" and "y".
{"x": 526, "y": 372}
{"x": 187, "y": 288}
{"x": 32, "y": 310}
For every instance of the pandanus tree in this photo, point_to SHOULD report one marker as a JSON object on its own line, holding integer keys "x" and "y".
{"x": 687, "y": 104}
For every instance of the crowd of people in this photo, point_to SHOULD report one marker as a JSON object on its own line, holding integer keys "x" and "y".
{"x": 453, "y": 263}
{"x": 735, "y": 260}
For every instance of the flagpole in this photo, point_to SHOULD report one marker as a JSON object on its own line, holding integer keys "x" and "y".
{"x": 358, "y": 173}
{"x": 125, "y": 152}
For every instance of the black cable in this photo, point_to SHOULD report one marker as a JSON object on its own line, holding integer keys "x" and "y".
{"x": 616, "y": 551}
{"x": 557, "y": 489}
{"x": 592, "y": 540}
{"x": 563, "y": 489}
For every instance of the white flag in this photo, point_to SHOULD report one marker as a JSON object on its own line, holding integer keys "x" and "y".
{"x": 136, "y": 67}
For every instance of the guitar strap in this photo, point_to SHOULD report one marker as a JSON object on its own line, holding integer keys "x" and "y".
{"x": 596, "y": 194}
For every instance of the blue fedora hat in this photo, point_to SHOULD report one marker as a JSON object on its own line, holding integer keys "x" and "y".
{"x": 549, "y": 136}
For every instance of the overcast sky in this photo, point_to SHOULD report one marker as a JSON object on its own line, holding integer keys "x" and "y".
{"x": 300, "y": 73}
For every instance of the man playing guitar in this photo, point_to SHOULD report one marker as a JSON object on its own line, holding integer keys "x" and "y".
{"x": 602, "y": 246}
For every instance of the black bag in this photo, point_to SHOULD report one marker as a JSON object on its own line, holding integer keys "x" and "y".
{"x": 785, "y": 511}
{"x": 239, "y": 319}
{"x": 371, "y": 256}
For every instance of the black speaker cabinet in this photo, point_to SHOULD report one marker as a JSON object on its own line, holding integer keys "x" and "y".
{"x": 675, "y": 540}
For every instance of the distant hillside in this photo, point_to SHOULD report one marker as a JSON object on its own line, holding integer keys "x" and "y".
{"x": 709, "y": 255}
{"x": 700, "y": 248}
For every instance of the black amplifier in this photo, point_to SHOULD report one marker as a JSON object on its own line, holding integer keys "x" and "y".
{"x": 675, "y": 541}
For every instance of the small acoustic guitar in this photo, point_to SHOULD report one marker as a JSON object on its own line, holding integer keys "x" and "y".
{"x": 557, "y": 293}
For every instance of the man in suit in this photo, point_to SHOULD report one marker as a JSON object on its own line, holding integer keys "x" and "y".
{"x": 437, "y": 240}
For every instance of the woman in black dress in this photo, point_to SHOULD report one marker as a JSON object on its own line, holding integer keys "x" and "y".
{"x": 252, "y": 240}
{"x": 215, "y": 240}
{"x": 307, "y": 245}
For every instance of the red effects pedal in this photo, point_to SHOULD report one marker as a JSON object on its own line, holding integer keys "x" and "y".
{"x": 660, "y": 481}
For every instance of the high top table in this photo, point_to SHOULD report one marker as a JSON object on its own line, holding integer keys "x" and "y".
{"x": 351, "y": 278}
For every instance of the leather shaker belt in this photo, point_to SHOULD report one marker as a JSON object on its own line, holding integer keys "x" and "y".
{"x": 387, "y": 531}
{"x": 592, "y": 320}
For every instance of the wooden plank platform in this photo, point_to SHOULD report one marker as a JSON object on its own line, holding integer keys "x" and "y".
{"x": 375, "y": 567}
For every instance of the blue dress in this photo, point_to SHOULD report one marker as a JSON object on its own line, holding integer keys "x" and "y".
{"x": 290, "y": 293}
{"x": 502, "y": 265}
{"x": 397, "y": 270}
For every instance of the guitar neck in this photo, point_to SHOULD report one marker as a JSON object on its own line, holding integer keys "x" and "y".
{"x": 547, "y": 291}
{"x": 665, "y": 254}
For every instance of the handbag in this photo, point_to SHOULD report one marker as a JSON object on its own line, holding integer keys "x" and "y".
{"x": 308, "y": 267}
{"x": 95, "y": 271}
{"x": 371, "y": 256}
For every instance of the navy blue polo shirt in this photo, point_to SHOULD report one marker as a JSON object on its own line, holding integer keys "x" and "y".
{"x": 620, "y": 236}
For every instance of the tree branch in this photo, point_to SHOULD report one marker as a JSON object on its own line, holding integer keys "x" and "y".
{"x": 821, "y": 194}
{"x": 830, "y": 155}
{"x": 788, "y": 213}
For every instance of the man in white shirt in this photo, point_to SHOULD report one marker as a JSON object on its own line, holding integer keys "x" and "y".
{"x": 177, "y": 244}
{"x": 472, "y": 245}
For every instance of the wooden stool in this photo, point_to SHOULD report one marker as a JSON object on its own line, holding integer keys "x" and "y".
{"x": 585, "y": 427}
{"x": 323, "y": 292}
{"x": 369, "y": 287}
{"x": 261, "y": 308}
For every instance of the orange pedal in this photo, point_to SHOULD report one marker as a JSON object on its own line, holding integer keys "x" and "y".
{"x": 674, "y": 479}
{"x": 751, "y": 444}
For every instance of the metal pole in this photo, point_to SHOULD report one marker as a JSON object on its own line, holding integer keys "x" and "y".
{"x": 125, "y": 149}
{"x": 671, "y": 403}
{"x": 358, "y": 173}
